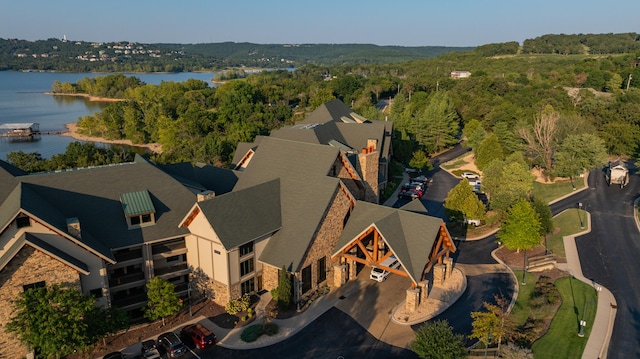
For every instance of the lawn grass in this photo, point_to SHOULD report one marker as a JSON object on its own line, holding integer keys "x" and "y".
{"x": 551, "y": 191}
{"x": 521, "y": 308}
{"x": 569, "y": 223}
{"x": 562, "y": 340}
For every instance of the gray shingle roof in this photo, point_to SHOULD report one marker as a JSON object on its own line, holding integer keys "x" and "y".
{"x": 203, "y": 176}
{"x": 93, "y": 196}
{"x": 410, "y": 236}
{"x": 245, "y": 215}
{"x": 305, "y": 193}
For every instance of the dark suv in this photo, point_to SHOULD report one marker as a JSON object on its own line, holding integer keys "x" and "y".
{"x": 199, "y": 334}
{"x": 171, "y": 344}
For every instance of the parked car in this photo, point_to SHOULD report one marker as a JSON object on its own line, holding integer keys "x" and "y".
{"x": 379, "y": 274}
{"x": 421, "y": 179}
{"x": 201, "y": 336}
{"x": 114, "y": 355}
{"x": 150, "y": 349}
{"x": 473, "y": 222}
{"x": 470, "y": 175}
{"x": 411, "y": 190}
{"x": 171, "y": 344}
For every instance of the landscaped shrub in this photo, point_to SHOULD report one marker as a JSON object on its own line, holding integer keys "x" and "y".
{"x": 251, "y": 333}
{"x": 270, "y": 329}
{"x": 239, "y": 305}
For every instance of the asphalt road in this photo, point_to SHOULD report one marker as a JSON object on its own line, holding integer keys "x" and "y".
{"x": 610, "y": 254}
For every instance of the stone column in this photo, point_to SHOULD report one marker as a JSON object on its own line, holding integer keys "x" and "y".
{"x": 424, "y": 290}
{"x": 438, "y": 274}
{"x": 448, "y": 262}
{"x": 339, "y": 275}
{"x": 352, "y": 270}
{"x": 413, "y": 299}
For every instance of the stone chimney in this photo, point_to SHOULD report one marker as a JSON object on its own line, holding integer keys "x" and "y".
{"x": 205, "y": 195}
{"x": 73, "y": 227}
{"x": 372, "y": 143}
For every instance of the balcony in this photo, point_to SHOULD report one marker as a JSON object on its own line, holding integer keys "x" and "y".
{"x": 126, "y": 279}
{"x": 169, "y": 247}
{"x": 174, "y": 269}
{"x": 129, "y": 300}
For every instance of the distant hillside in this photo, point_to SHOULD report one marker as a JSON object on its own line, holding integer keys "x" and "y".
{"x": 588, "y": 44}
{"x": 80, "y": 56}
{"x": 297, "y": 54}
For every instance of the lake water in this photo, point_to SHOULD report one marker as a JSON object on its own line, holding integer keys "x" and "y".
{"x": 22, "y": 100}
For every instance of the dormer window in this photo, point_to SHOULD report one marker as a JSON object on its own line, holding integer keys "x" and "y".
{"x": 138, "y": 209}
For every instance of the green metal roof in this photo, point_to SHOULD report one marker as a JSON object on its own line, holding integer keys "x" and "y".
{"x": 136, "y": 203}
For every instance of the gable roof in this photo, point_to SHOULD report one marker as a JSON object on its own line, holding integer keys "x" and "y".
{"x": 93, "y": 196}
{"x": 39, "y": 244}
{"x": 306, "y": 192}
{"x": 409, "y": 235}
{"x": 244, "y": 215}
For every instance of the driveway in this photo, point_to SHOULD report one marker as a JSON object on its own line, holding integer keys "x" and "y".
{"x": 372, "y": 305}
{"x": 609, "y": 254}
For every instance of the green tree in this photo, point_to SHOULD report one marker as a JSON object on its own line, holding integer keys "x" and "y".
{"x": 462, "y": 203}
{"x": 474, "y": 133}
{"x": 438, "y": 126}
{"x": 486, "y": 325}
{"x": 436, "y": 340}
{"x": 52, "y": 320}
{"x": 106, "y": 321}
{"x": 578, "y": 153}
{"x": 544, "y": 215}
{"x": 488, "y": 151}
{"x": 420, "y": 160}
{"x": 283, "y": 291}
{"x": 507, "y": 181}
{"x": 541, "y": 138}
{"x": 162, "y": 299}
{"x": 520, "y": 230}
{"x": 27, "y": 161}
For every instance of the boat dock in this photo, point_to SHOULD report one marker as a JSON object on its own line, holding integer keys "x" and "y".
{"x": 20, "y": 131}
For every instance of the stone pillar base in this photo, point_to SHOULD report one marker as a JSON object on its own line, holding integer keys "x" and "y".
{"x": 352, "y": 270}
{"x": 438, "y": 274}
{"x": 339, "y": 275}
{"x": 448, "y": 262}
{"x": 424, "y": 290}
{"x": 413, "y": 299}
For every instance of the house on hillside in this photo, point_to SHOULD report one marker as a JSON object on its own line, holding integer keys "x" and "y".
{"x": 460, "y": 74}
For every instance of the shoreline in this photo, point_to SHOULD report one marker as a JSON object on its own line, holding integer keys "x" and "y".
{"x": 72, "y": 131}
{"x": 87, "y": 96}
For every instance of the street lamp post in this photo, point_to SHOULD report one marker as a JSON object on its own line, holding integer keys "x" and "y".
{"x": 583, "y": 322}
{"x": 580, "y": 215}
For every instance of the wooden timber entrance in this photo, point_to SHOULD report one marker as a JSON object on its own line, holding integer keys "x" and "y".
{"x": 370, "y": 249}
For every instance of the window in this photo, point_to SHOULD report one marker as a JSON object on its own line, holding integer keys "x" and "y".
{"x": 23, "y": 221}
{"x": 135, "y": 220}
{"x": 322, "y": 269}
{"x": 246, "y": 249}
{"x": 246, "y": 267}
{"x": 96, "y": 293}
{"x": 146, "y": 218}
{"x": 247, "y": 286}
{"x": 26, "y": 287}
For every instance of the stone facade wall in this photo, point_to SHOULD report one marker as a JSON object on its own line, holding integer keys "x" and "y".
{"x": 368, "y": 163}
{"x": 269, "y": 277}
{"x": 326, "y": 237}
{"x": 27, "y": 267}
{"x": 220, "y": 292}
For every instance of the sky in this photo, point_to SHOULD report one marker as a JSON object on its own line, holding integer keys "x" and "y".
{"x": 391, "y": 22}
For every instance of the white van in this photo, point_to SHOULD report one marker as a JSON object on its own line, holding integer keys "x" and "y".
{"x": 379, "y": 274}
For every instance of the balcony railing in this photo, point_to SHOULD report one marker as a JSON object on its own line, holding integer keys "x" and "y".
{"x": 129, "y": 300}
{"x": 171, "y": 269}
{"x": 126, "y": 256}
{"x": 126, "y": 279}
{"x": 168, "y": 247}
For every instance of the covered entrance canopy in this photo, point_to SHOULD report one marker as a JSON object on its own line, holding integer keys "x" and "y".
{"x": 374, "y": 233}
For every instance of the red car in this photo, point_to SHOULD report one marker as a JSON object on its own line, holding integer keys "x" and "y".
{"x": 199, "y": 334}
